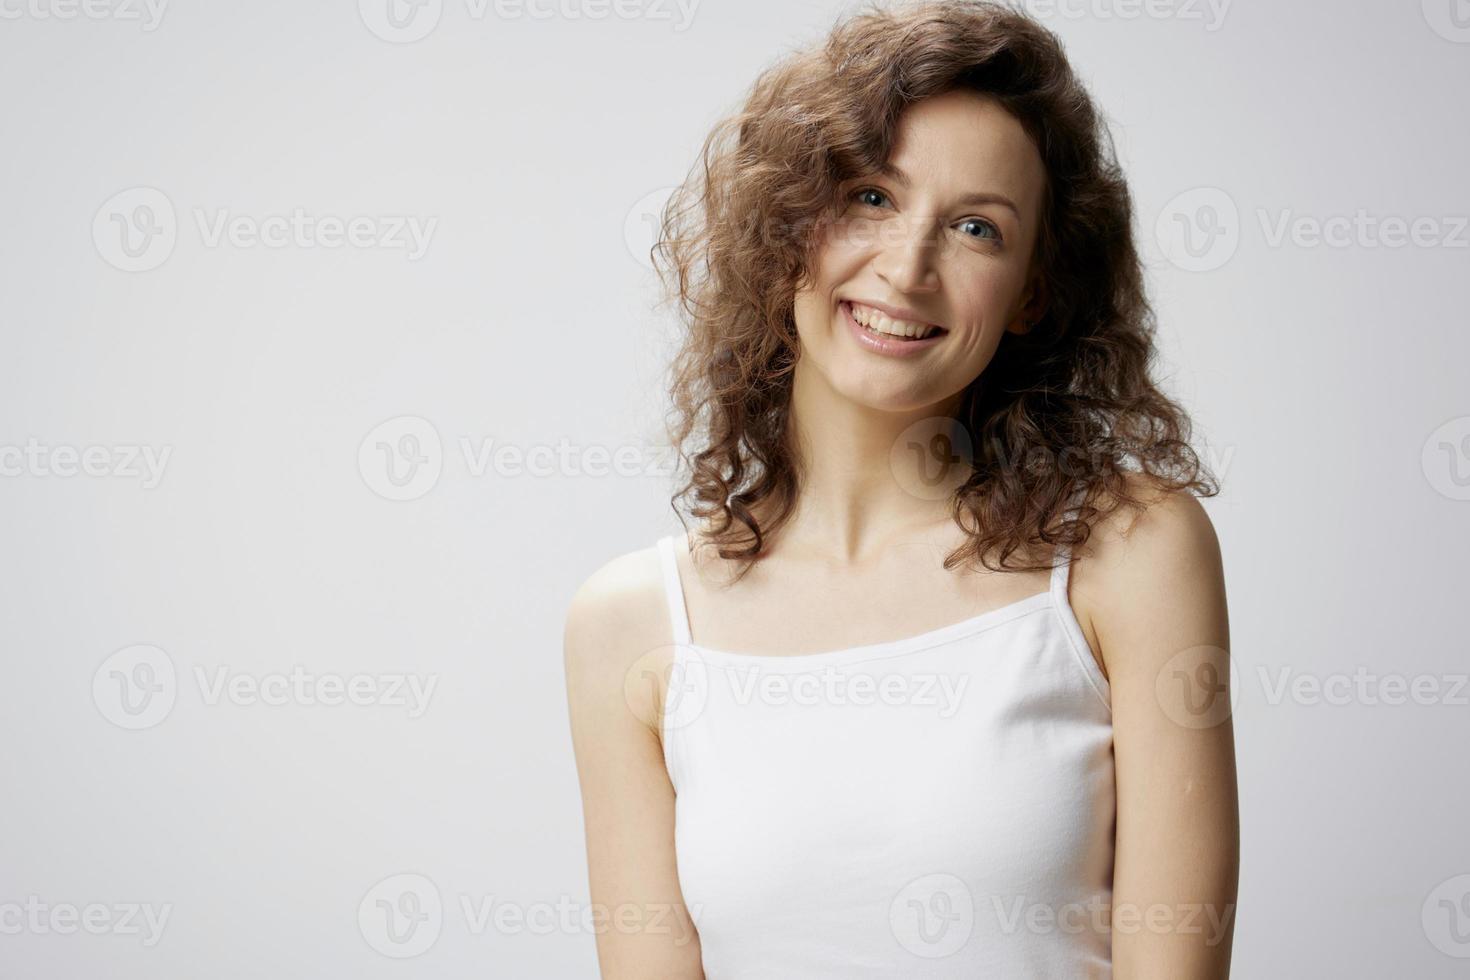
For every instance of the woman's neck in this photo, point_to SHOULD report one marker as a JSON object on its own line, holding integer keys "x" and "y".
{"x": 869, "y": 478}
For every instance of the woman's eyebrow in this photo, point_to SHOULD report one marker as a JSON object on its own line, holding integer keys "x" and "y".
{"x": 977, "y": 197}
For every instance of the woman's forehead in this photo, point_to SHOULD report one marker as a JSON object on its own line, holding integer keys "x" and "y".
{"x": 962, "y": 142}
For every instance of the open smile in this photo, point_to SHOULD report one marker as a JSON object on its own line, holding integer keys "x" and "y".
{"x": 880, "y": 333}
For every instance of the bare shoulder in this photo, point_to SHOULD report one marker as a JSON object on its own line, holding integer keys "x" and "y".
{"x": 616, "y": 630}
{"x": 622, "y": 597}
{"x": 1170, "y": 525}
{"x": 1152, "y": 570}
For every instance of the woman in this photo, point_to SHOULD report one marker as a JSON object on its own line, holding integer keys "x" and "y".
{"x": 935, "y": 685}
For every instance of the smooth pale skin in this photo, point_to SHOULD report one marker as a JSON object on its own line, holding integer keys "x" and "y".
{"x": 860, "y": 563}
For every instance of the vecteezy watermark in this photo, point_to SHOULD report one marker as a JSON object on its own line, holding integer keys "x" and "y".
{"x": 123, "y": 461}
{"x": 1364, "y": 687}
{"x": 670, "y": 686}
{"x": 400, "y": 21}
{"x": 1198, "y": 687}
{"x": 667, "y": 687}
{"x": 38, "y": 918}
{"x": 840, "y": 688}
{"x": 1446, "y": 459}
{"x": 643, "y": 224}
{"x": 1448, "y": 18}
{"x": 411, "y": 692}
{"x": 403, "y": 915}
{"x": 148, "y": 14}
{"x": 933, "y": 915}
{"x": 1446, "y": 917}
{"x": 408, "y": 233}
{"x": 563, "y": 458}
{"x": 407, "y": 21}
{"x": 931, "y": 458}
{"x": 1211, "y": 12}
{"x": 1099, "y": 915}
{"x": 566, "y": 916}
{"x": 642, "y": 228}
{"x": 137, "y": 687}
{"x": 1198, "y": 230}
{"x": 403, "y": 459}
{"x": 137, "y": 229}
{"x": 1363, "y": 230}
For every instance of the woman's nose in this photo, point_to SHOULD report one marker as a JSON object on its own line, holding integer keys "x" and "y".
{"x": 906, "y": 258}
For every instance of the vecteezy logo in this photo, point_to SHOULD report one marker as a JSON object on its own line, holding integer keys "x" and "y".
{"x": 401, "y": 916}
{"x": 401, "y": 21}
{"x": 931, "y": 458}
{"x": 402, "y": 458}
{"x": 1446, "y": 917}
{"x": 1191, "y": 687}
{"x": 135, "y": 687}
{"x": 933, "y": 916}
{"x": 135, "y": 230}
{"x": 1199, "y": 230}
{"x": 1446, "y": 459}
{"x": 643, "y": 225}
{"x": 669, "y": 685}
{"x": 1450, "y": 19}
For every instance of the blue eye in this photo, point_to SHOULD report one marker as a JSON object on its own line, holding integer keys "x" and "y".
{"x": 873, "y": 193}
{"x": 995, "y": 232}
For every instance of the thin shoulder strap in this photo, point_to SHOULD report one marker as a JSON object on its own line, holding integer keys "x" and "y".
{"x": 1061, "y": 569}
{"x": 673, "y": 591}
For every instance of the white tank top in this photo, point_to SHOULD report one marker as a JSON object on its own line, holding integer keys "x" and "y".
{"x": 935, "y": 806}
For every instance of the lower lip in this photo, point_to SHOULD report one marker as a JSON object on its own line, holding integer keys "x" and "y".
{"x": 882, "y": 343}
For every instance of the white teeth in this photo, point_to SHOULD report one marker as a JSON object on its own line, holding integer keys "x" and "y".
{"x": 880, "y": 322}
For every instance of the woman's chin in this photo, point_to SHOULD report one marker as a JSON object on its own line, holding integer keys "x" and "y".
{"x": 881, "y": 392}
{"x": 879, "y": 384}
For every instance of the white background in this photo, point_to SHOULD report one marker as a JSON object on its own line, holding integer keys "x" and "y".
{"x": 1320, "y": 377}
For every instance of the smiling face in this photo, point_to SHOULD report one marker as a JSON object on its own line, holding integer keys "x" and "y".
{"x": 942, "y": 242}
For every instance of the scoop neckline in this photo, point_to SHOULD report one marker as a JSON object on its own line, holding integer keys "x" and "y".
{"x": 937, "y": 636}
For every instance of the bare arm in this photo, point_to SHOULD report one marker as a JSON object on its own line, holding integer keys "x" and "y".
{"x": 616, "y": 650}
{"x": 1157, "y": 601}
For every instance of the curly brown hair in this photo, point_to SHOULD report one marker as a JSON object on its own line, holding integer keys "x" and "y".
{"x": 1066, "y": 410}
